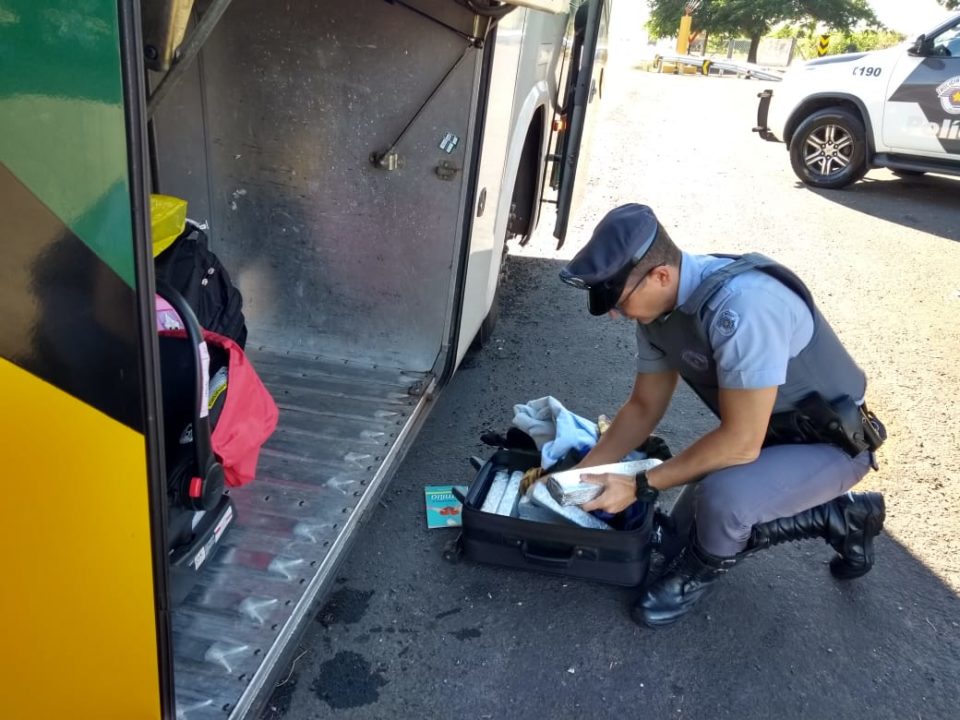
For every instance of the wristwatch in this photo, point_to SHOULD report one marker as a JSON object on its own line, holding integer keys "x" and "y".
{"x": 645, "y": 493}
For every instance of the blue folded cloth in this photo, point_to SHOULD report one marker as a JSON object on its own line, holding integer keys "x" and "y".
{"x": 556, "y": 431}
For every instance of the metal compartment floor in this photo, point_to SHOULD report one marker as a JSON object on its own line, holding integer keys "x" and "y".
{"x": 342, "y": 426}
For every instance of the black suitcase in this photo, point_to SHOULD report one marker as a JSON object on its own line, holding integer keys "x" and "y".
{"x": 618, "y": 557}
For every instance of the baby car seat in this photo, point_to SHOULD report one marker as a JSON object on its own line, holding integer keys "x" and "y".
{"x": 194, "y": 385}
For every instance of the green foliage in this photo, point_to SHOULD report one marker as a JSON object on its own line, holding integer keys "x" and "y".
{"x": 717, "y": 45}
{"x": 840, "y": 41}
{"x": 754, "y": 18}
{"x": 950, "y": 4}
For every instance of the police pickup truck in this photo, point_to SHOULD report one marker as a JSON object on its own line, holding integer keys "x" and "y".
{"x": 897, "y": 108}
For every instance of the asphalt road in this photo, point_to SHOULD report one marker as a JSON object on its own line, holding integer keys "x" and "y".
{"x": 408, "y": 635}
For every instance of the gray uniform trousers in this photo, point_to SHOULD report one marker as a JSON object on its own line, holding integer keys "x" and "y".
{"x": 783, "y": 481}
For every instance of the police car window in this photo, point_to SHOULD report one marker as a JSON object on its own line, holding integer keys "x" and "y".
{"x": 947, "y": 43}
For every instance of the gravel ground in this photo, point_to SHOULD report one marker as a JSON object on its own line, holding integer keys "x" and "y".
{"x": 408, "y": 635}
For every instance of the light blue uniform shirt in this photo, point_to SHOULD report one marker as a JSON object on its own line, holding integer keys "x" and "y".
{"x": 755, "y": 325}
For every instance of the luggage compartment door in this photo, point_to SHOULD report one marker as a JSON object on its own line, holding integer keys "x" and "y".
{"x": 82, "y": 611}
{"x": 585, "y": 48}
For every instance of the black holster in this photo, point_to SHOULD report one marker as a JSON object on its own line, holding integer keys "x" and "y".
{"x": 842, "y": 422}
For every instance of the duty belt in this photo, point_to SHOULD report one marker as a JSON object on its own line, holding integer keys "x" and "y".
{"x": 843, "y": 422}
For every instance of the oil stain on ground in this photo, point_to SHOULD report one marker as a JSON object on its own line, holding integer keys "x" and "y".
{"x": 346, "y": 606}
{"x": 467, "y": 634}
{"x": 348, "y": 681}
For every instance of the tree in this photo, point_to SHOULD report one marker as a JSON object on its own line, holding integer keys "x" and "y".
{"x": 840, "y": 40}
{"x": 950, "y": 4}
{"x": 755, "y": 18}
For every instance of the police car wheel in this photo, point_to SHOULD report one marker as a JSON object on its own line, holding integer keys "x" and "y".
{"x": 828, "y": 149}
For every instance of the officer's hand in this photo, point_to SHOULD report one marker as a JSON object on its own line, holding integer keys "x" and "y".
{"x": 619, "y": 492}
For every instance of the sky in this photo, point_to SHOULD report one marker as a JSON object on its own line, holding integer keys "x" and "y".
{"x": 910, "y": 17}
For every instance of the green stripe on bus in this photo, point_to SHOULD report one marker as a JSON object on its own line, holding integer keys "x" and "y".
{"x": 62, "y": 130}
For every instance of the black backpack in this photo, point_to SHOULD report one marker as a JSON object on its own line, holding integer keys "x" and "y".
{"x": 192, "y": 269}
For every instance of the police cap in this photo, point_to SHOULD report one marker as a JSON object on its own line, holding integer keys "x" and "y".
{"x": 618, "y": 244}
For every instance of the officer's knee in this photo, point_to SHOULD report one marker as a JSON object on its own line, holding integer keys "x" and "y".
{"x": 720, "y": 511}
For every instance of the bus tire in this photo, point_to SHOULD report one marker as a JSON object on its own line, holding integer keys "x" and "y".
{"x": 485, "y": 333}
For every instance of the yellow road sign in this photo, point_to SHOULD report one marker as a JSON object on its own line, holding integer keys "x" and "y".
{"x": 822, "y": 45}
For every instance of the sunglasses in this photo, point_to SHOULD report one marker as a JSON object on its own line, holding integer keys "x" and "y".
{"x": 618, "y": 303}
{"x": 605, "y": 294}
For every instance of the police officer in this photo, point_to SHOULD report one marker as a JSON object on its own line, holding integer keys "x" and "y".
{"x": 794, "y": 434}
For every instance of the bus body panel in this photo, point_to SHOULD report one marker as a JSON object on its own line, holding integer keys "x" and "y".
{"x": 78, "y": 609}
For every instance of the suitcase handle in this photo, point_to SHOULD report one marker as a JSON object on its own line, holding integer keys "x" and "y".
{"x": 553, "y": 561}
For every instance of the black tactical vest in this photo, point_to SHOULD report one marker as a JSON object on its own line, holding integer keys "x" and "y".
{"x": 823, "y": 366}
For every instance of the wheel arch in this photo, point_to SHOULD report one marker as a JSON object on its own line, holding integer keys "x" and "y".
{"x": 523, "y": 212}
{"x": 822, "y": 101}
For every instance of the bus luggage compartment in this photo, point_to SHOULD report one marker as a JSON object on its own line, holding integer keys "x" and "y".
{"x": 346, "y": 268}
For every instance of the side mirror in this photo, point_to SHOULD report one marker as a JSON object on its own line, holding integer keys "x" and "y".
{"x": 919, "y": 46}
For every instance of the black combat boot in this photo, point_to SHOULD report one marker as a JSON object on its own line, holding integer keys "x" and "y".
{"x": 687, "y": 579}
{"x": 849, "y": 523}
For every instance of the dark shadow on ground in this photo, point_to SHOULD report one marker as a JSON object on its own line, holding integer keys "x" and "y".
{"x": 406, "y": 634}
{"x": 926, "y": 202}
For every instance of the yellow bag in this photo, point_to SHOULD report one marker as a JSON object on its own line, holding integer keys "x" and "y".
{"x": 168, "y": 217}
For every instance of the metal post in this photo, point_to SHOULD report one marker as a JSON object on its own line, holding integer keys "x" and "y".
{"x": 187, "y": 52}
{"x": 683, "y": 37}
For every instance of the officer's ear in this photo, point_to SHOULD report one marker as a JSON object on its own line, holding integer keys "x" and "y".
{"x": 661, "y": 275}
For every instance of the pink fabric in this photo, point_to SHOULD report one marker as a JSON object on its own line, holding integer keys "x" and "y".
{"x": 167, "y": 317}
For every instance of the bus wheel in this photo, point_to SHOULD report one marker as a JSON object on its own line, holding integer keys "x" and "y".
{"x": 490, "y": 321}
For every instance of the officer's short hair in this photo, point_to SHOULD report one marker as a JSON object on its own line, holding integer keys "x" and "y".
{"x": 661, "y": 252}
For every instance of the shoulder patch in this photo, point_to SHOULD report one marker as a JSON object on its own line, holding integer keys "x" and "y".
{"x": 727, "y": 322}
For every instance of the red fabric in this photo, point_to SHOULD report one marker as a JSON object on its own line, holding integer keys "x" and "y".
{"x": 248, "y": 418}
{"x": 249, "y": 415}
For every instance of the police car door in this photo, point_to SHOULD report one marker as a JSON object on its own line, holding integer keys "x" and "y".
{"x": 922, "y": 113}
{"x": 585, "y": 54}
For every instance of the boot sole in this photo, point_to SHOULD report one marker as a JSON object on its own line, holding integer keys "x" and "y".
{"x": 640, "y": 618}
{"x": 842, "y": 570}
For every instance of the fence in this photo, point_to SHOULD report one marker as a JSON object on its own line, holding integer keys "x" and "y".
{"x": 773, "y": 52}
